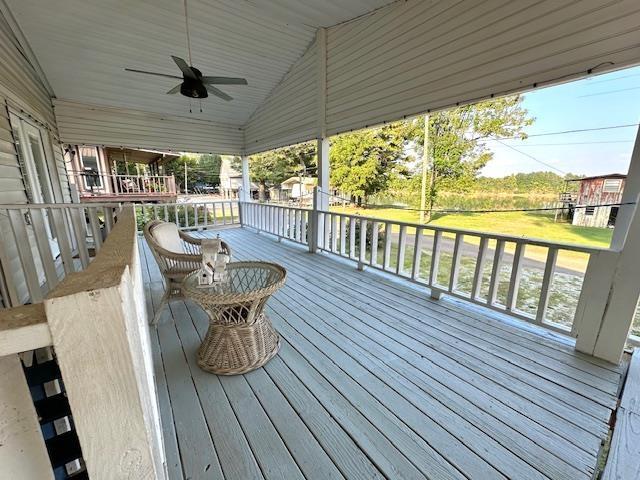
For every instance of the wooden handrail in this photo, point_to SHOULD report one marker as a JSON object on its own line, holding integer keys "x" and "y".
{"x": 100, "y": 334}
{"x": 23, "y": 328}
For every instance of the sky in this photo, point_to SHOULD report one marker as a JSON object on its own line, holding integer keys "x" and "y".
{"x": 600, "y": 101}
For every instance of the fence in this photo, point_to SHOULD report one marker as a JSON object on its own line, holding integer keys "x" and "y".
{"x": 189, "y": 216}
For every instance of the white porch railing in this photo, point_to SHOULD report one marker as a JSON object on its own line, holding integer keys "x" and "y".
{"x": 283, "y": 221}
{"x": 94, "y": 184}
{"x": 190, "y": 216}
{"x": 484, "y": 268}
{"x": 521, "y": 277}
{"x": 41, "y": 243}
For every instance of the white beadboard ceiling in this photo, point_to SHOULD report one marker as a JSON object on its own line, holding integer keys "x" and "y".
{"x": 83, "y": 47}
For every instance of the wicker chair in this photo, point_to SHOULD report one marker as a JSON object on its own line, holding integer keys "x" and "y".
{"x": 175, "y": 266}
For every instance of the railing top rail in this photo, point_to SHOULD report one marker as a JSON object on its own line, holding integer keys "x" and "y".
{"x": 91, "y": 173}
{"x": 475, "y": 233}
{"x": 146, "y": 204}
{"x": 277, "y": 205}
{"x": 58, "y": 205}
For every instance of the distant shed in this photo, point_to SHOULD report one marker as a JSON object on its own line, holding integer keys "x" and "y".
{"x": 598, "y": 190}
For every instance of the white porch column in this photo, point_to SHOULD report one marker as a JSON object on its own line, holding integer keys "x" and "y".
{"x": 611, "y": 288}
{"x": 322, "y": 150}
{"x": 245, "y": 195}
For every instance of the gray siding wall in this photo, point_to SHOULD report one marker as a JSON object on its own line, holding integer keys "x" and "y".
{"x": 86, "y": 124}
{"x": 290, "y": 113}
{"x": 415, "y": 56}
{"x": 22, "y": 91}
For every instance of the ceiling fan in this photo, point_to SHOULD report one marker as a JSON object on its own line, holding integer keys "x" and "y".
{"x": 194, "y": 84}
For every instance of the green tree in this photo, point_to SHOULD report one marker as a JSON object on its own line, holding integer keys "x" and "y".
{"x": 200, "y": 169}
{"x": 457, "y": 148}
{"x": 364, "y": 162}
{"x": 273, "y": 167}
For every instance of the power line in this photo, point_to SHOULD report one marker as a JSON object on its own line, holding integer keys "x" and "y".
{"x": 573, "y": 143}
{"x": 608, "y": 92}
{"x": 532, "y": 157}
{"x": 561, "y": 132}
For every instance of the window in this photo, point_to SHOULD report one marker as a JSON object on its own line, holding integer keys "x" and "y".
{"x": 589, "y": 211}
{"x": 612, "y": 185}
{"x": 91, "y": 171}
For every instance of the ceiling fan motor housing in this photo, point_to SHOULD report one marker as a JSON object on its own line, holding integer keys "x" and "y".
{"x": 193, "y": 87}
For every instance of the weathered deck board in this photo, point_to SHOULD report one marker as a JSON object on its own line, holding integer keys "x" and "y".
{"x": 623, "y": 462}
{"x": 374, "y": 379}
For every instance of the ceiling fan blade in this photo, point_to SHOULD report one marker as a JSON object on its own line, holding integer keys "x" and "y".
{"x": 218, "y": 93}
{"x": 152, "y": 73}
{"x": 224, "y": 81}
{"x": 186, "y": 69}
{"x": 175, "y": 89}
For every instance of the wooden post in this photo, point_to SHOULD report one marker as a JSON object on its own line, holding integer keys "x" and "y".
{"x": 106, "y": 360}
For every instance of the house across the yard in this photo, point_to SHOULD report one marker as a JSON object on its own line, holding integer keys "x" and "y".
{"x": 94, "y": 176}
{"x": 603, "y": 190}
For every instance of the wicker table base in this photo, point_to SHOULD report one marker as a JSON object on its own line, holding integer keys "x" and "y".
{"x": 240, "y": 336}
{"x": 233, "y": 349}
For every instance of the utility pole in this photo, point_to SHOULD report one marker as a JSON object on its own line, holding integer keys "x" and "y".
{"x": 186, "y": 191}
{"x": 426, "y": 165}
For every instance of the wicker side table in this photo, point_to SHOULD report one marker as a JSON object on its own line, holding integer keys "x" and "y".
{"x": 240, "y": 337}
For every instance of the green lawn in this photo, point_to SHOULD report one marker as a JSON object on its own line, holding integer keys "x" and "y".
{"x": 523, "y": 224}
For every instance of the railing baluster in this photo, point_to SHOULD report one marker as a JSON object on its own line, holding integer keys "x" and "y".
{"x": 327, "y": 231}
{"x": 386, "y": 253}
{"x": 224, "y": 215}
{"x": 291, "y": 214}
{"x": 343, "y": 235}
{"x": 547, "y": 279}
{"x": 96, "y": 232}
{"x": 215, "y": 215}
{"x": 63, "y": 238}
{"x": 44, "y": 247}
{"x": 516, "y": 274}
{"x": 166, "y": 213}
{"x": 175, "y": 213}
{"x": 352, "y": 237}
{"x": 435, "y": 258}
{"x": 25, "y": 254}
{"x": 79, "y": 231}
{"x": 480, "y": 263}
{"x": 206, "y": 214}
{"x": 196, "y": 220}
{"x": 362, "y": 254}
{"x": 402, "y": 244}
{"x": 108, "y": 219}
{"x": 334, "y": 233}
{"x": 375, "y": 232}
{"x": 494, "y": 281}
{"x": 417, "y": 253}
{"x": 304, "y": 238}
{"x": 455, "y": 262}
{"x": 298, "y": 223}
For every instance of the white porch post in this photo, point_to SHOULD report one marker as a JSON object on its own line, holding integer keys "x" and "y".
{"x": 245, "y": 194}
{"x": 611, "y": 288}
{"x": 322, "y": 150}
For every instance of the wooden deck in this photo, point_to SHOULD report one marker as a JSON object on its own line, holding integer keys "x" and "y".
{"x": 376, "y": 380}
